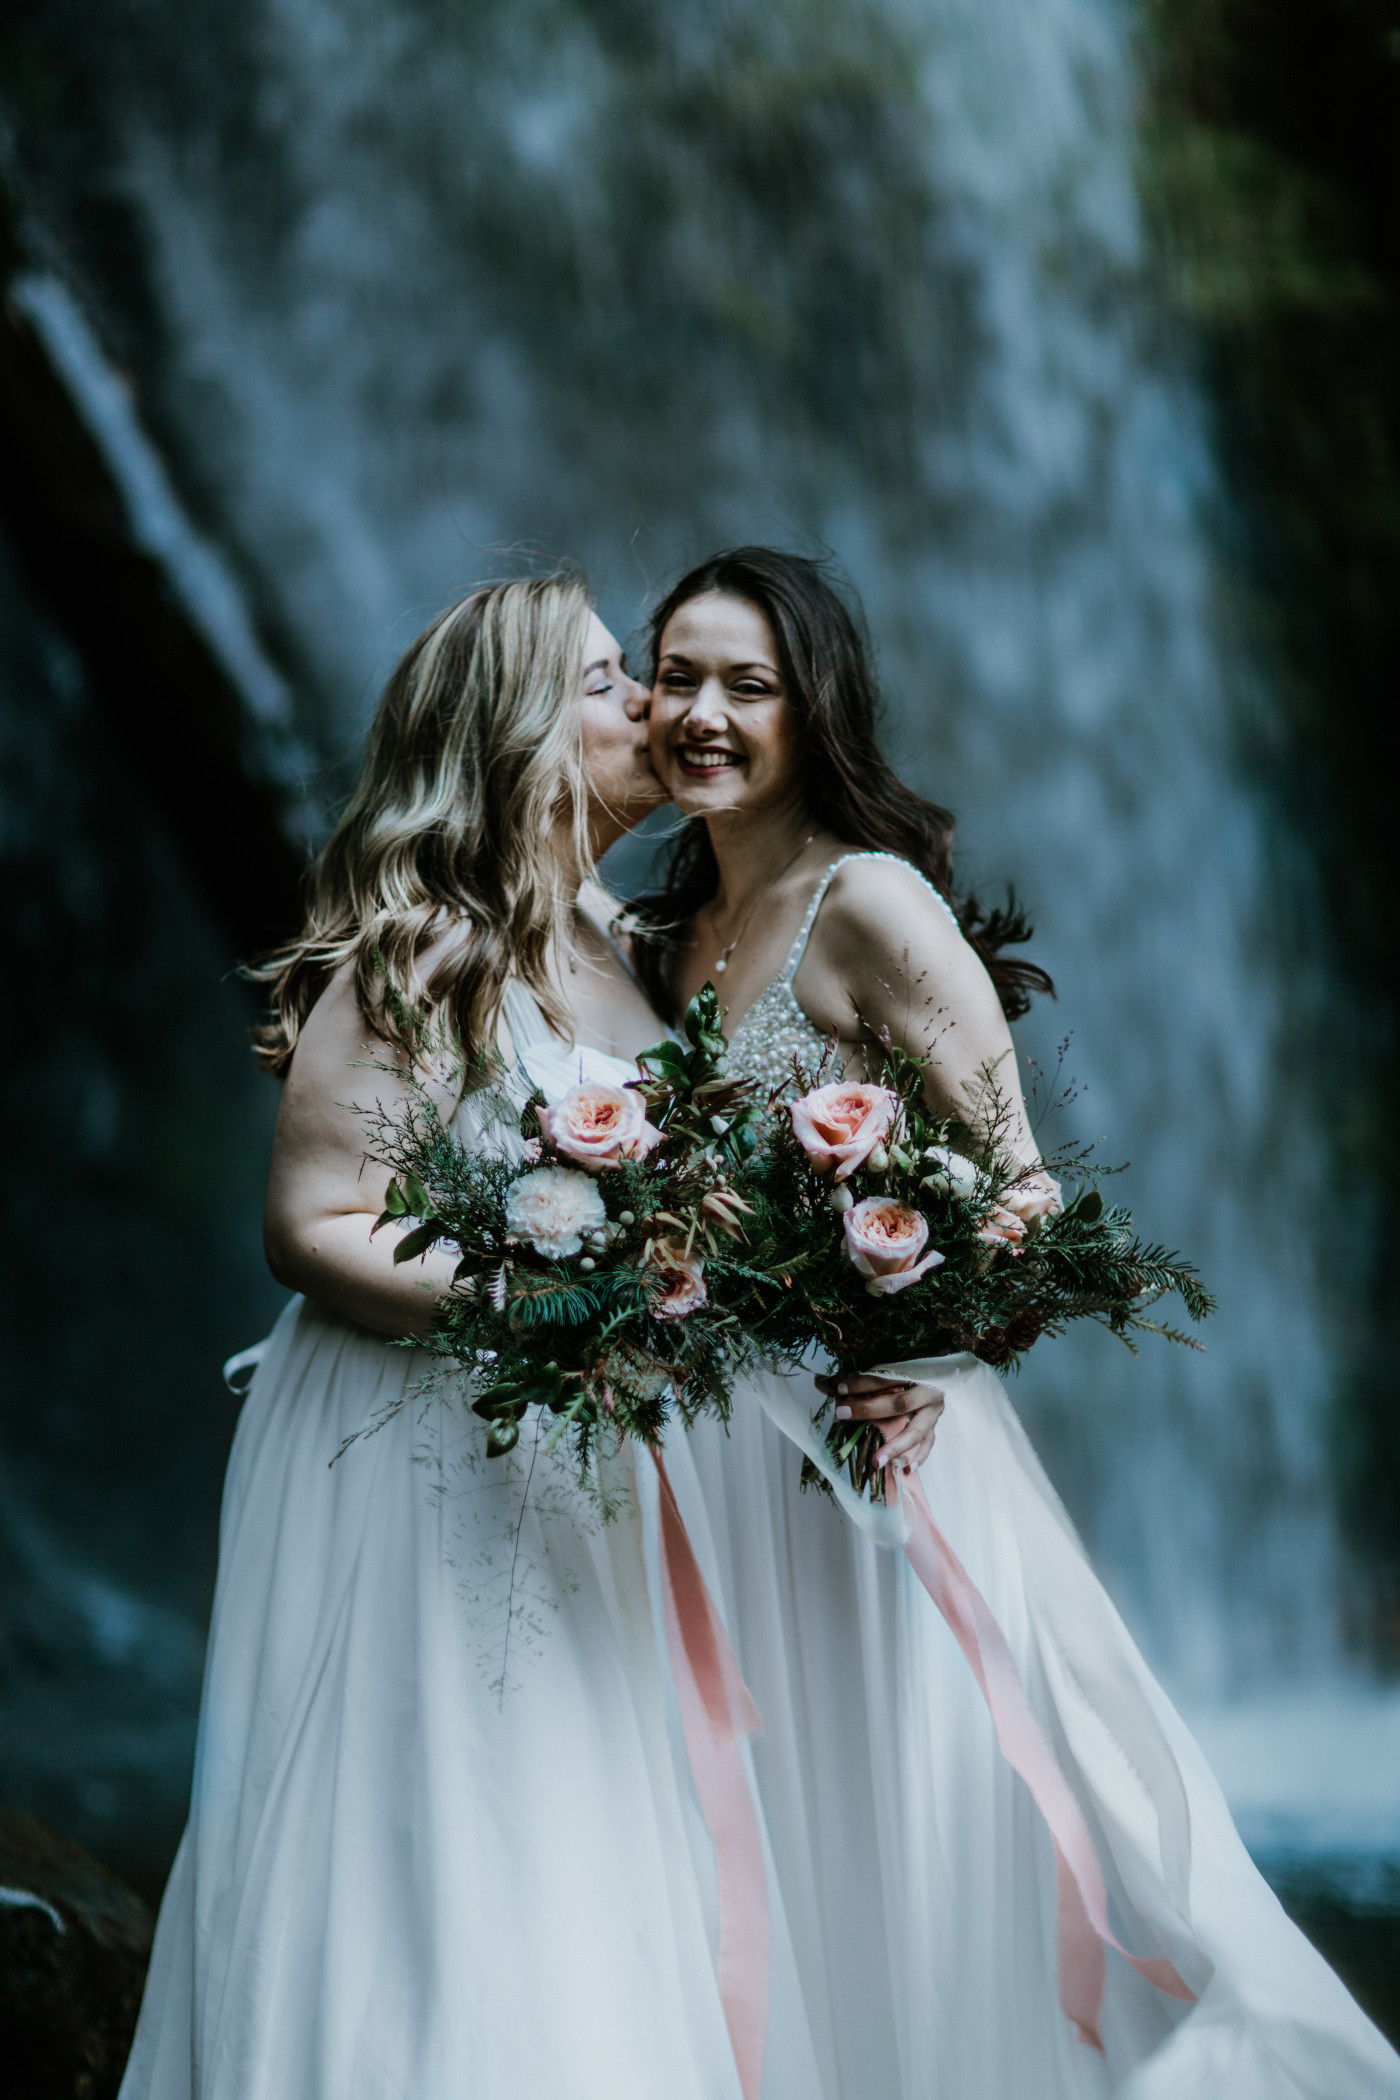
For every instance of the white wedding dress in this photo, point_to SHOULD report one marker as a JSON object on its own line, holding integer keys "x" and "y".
{"x": 444, "y": 1845}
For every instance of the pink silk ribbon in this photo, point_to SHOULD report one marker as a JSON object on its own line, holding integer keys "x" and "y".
{"x": 717, "y": 1712}
{"x": 1083, "y": 1901}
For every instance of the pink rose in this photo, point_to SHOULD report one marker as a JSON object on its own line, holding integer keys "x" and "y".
{"x": 1002, "y": 1228}
{"x": 600, "y": 1126}
{"x": 885, "y": 1239}
{"x": 840, "y": 1126}
{"x": 682, "y": 1277}
{"x": 1030, "y": 1201}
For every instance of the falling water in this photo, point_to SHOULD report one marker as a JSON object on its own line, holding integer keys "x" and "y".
{"x": 620, "y": 282}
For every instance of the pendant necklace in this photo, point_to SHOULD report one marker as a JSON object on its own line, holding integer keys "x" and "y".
{"x": 724, "y": 954}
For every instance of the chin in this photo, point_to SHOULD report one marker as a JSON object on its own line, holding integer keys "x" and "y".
{"x": 694, "y": 802}
{"x": 707, "y": 798}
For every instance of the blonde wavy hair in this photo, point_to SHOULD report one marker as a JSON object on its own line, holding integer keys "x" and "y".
{"x": 473, "y": 753}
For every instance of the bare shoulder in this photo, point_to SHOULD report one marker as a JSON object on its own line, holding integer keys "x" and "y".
{"x": 885, "y": 906}
{"x": 341, "y": 1069}
{"x": 336, "y": 1039}
{"x": 440, "y": 949}
{"x": 337, "y": 1031}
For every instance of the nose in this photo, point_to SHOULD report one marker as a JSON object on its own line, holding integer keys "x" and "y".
{"x": 636, "y": 701}
{"x": 705, "y": 713}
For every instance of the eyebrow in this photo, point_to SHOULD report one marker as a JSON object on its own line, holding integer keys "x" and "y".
{"x": 756, "y": 664}
{"x": 601, "y": 665}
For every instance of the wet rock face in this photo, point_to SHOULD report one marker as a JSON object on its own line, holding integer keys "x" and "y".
{"x": 74, "y": 1943}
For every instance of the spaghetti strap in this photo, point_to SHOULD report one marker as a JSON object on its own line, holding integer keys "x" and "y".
{"x": 526, "y": 1023}
{"x": 618, "y": 950}
{"x": 603, "y": 921}
{"x": 799, "y": 946}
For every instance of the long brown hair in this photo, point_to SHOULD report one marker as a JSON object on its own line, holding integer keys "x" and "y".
{"x": 848, "y": 784}
{"x": 473, "y": 752}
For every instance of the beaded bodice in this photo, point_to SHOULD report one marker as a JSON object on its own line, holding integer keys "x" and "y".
{"x": 775, "y": 1030}
{"x": 772, "y": 1033}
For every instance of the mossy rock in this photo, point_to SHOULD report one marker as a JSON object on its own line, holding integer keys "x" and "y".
{"x": 74, "y": 1943}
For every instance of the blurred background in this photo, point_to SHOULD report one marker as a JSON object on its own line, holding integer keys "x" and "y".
{"x": 1071, "y": 329}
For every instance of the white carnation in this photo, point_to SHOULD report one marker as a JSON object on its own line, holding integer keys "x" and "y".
{"x": 952, "y": 1173}
{"x": 553, "y": 1208}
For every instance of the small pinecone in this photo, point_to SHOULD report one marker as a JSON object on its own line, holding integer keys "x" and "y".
{"x": 1023, "y": 1329}
{"x": 993, "y": 1345}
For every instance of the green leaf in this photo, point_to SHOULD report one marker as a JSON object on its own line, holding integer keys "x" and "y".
{"x": 501, "y": 1401}
{"x": 394, "y": 1204}
{"x": 419, "y": 1241}
{"x": 668, "y": 1058}
{"x": 703, "y": 1027}
{"x": 417, "y": 1204}
{"x": 1089, "y": 1208}
{"x": 501, "y": 1438}
{"x": 576, "y": 1408}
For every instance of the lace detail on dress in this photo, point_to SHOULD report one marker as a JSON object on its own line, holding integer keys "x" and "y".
{"x": 775, "y": 1030}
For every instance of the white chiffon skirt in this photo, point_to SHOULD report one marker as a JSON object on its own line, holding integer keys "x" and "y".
{"x": 443, "y": 1843}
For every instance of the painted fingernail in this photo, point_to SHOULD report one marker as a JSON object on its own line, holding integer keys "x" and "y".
{"x": 906, "y": 1469}
{"x": 843, "y": 1414}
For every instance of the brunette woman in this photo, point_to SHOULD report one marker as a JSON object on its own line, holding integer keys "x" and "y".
{"x": 919, "y": 1882}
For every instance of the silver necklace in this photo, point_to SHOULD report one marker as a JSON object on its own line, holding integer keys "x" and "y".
{"x": 724, "y": 954}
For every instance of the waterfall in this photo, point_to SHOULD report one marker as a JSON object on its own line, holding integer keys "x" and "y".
{"x": 624, "y": 284}
{"x": 1095, "y": 742}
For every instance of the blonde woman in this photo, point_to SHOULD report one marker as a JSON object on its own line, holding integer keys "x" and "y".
{"x": 420, "y": 1865}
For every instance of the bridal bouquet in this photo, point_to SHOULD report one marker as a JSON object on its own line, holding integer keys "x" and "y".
{"x": 584, "y": 1283}
{"x": 656, "y": 1238}
{"x": 884, "y": 1232}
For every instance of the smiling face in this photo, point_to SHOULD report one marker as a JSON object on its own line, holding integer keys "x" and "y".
{"x": 613, "y": 733}
{"x": 724, "y": 734}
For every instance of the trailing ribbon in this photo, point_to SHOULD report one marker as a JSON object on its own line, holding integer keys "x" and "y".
{"x": 907, "y": 1521}
{"x": 1083, "y": 1901}
{"x": 717, "y": 1712}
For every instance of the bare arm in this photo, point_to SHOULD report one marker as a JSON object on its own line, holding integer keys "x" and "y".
{"x": 324, "y": 1194}
{"x": 886, "y": 958}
